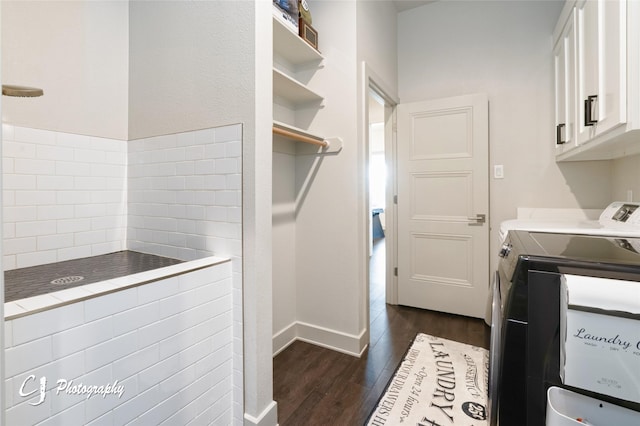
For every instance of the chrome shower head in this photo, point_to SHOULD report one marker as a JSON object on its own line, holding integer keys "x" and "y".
{"x": 21, "y": 91}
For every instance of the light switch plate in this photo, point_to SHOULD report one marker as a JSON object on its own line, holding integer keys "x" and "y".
{"x": 498, "y": 171}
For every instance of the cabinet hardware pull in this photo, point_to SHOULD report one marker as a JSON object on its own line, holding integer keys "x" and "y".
{"x": 590, "y": 116}
{"x": 559, "y": 132}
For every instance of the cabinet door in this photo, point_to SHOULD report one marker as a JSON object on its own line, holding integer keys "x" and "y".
{"x": 565, "y": 86}
{"x": 601, "y": 66}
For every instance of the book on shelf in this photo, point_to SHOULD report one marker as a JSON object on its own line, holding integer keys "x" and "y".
{"x": 286, "y": 11}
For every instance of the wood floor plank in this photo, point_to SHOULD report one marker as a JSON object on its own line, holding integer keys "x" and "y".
{"x": 318, "y": 386}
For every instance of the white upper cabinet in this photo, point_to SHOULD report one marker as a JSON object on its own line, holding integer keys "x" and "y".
{"x": 595, "y": 51}
{"x": 565, "y": 57}
{"x": 601, "y": 66}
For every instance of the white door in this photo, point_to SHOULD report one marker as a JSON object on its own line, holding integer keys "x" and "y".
{"x": 443, "y": 203}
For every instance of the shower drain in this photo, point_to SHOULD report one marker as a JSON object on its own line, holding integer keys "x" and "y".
{"x": 68, "y": 280}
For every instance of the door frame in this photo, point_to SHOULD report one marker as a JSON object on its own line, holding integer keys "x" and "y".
{"x": 372, "y": 81}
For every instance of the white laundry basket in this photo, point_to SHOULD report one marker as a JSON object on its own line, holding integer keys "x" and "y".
{"x": 565, "y": 407}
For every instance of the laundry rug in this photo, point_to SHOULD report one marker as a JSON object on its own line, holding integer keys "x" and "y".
{"x": 439, "y": 382}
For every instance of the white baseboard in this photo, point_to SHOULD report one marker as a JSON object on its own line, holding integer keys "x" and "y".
{"x": 268, "y": 417}
{"x": 284, "y": 338}
{"x": 349, "y": 344}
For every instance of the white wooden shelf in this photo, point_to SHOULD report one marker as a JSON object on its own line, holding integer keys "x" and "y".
{"x": 294, "y": 57}
{"x": 292, "y": 90}
{"x": 290, "y": 46}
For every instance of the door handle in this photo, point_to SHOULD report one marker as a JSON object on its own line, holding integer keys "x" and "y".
{"x": 479, "y": 219}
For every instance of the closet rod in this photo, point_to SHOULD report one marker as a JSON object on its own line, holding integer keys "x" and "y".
{"x": 299, "y": 137}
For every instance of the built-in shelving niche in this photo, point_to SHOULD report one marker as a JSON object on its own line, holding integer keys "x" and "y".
{"x": 294, "y": 65}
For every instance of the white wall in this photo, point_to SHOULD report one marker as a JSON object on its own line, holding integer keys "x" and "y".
{"x": 502, "y": 49}
{"x": 377, "y": 39}
{"x": 625, "y": 176}
{"x": 64, "y": 196}
{"x": 129, "y": 70}
{"x": 168, "y": 343}
{"x": 284, "y": 244}
{"x": 259, "y": 407}
{"x": 191, "y": 65}
{"x": 77, "y": 52}
{"x": 327, "y": 236}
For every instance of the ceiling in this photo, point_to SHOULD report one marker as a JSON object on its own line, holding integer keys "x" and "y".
{"x": 402, "y": 5}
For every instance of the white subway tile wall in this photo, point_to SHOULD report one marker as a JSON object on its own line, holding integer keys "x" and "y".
{"x": 174, "y": 374}
{"x": 184, "y": 202}
{"x": 64, "y": 196}
{"x": 185, "y": 193}
{"x": 71, "y": 196}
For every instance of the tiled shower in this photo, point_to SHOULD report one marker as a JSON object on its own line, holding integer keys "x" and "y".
{"x": 71, "y": 196}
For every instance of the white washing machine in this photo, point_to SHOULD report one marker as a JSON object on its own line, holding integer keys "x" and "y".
{"x": 620, "y": 218}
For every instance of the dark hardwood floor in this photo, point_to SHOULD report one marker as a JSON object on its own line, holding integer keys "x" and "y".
{"x": 317, "y": 386}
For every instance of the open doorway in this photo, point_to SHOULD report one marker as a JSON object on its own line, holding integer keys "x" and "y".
{"x": 379, "y": 210}
{"x": 378, "y": 178}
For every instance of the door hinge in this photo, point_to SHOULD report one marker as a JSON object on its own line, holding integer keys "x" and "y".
{"x": 395, "y": 271}
{"x": 395, "y": 199}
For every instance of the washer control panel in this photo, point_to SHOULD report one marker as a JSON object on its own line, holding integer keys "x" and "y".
{"x": 621, "y": 215}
